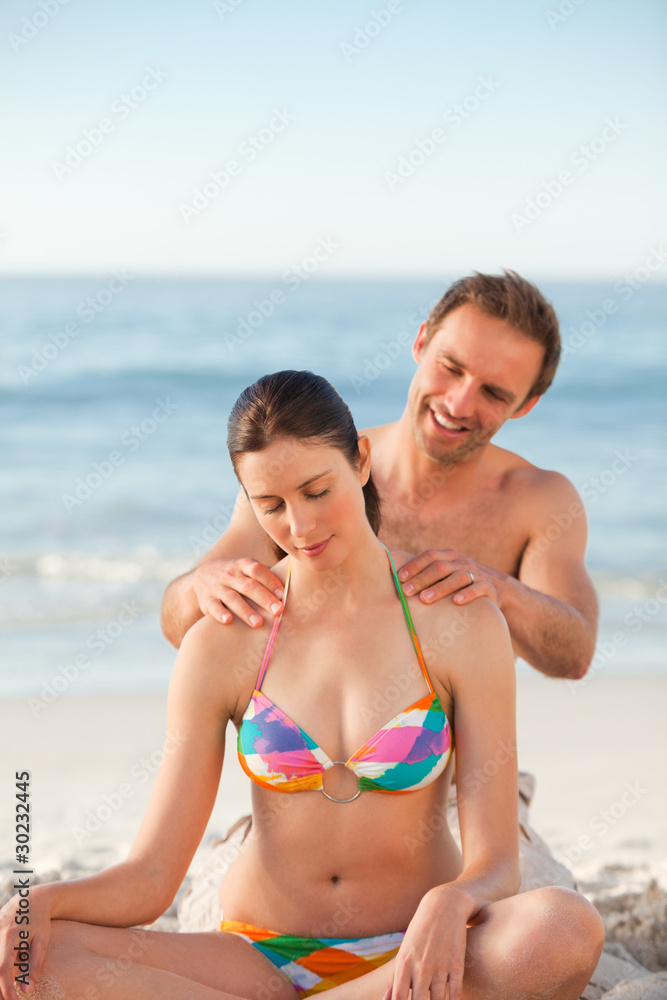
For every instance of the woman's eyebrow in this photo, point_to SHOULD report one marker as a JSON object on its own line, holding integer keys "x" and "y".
{"x": 313, "y": 478}
{"x": 271, "y": 496}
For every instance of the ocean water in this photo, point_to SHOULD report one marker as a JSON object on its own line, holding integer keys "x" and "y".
{"x": 115, "y": 393}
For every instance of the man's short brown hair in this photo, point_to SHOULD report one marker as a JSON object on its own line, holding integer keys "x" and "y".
{"x": 519, "y": 303}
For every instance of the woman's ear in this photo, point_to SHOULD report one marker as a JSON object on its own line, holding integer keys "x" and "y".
{"x": 364, "y": 458}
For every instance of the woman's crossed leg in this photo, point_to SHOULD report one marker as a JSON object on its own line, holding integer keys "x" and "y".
{"x": 89, "y": 962}
{"x": 541, "y": 945}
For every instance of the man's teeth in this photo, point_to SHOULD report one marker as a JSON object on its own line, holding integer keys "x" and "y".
{"x": 447, "y": 424}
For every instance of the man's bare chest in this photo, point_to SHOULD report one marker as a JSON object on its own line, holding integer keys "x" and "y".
{"x": 486, "y": 529}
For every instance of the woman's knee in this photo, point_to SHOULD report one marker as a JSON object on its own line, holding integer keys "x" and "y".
{"x": 87, "y": 948}
{"x": 543, "y": 943}
{"x": 564, "y": 919}
{"x": 64, "y": 939}
{"x": 65, "y": 953}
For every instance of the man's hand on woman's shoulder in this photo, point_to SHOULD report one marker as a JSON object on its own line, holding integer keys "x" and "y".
{"x": 221, "y": 585}
{"x": 438, "y": 573}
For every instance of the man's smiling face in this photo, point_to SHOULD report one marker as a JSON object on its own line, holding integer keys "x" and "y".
{"x": 474, "y": 374}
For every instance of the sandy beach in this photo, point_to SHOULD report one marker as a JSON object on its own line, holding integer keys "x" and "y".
{"x": 597, "y": 748}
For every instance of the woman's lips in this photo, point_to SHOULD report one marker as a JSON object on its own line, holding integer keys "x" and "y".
{"x": 314, "y": 550}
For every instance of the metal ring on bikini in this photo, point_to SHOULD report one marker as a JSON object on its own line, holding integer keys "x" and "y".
{"x": 472, "y": 578}
{"x": 332, "y": 797}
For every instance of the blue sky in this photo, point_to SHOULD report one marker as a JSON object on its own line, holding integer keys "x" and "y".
{"x": 331, "y": 95}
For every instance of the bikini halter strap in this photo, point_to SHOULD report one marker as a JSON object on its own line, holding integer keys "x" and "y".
{"x": 408, "y": 618}
{"x": 274, "y": 631}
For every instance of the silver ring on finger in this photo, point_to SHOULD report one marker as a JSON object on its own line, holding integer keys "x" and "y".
{"x": 472, "y": 578}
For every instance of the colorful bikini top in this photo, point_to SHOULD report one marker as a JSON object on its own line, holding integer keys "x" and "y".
{"x": 408, "y": 752}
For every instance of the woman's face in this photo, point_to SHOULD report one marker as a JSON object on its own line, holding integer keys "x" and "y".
{"x": 307, "y": 497}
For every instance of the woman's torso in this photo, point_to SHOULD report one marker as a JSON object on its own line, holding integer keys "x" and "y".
{"x": 314, "y": 866}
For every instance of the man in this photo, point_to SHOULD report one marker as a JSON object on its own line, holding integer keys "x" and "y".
{"x": 485, "y": 521}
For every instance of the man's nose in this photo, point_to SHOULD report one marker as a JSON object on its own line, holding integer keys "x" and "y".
{"x": 460, "y": 399}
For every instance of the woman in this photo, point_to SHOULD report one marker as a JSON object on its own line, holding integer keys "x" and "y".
{"x": 350, "y": 880}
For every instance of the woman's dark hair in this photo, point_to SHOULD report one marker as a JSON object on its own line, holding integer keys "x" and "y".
{"x": 300, "y": 405}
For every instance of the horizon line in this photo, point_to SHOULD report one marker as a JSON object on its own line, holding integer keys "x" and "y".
{"x": 393, "y": 276}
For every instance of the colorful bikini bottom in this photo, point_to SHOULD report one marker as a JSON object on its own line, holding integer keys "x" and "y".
{"x": 313, "y": 965}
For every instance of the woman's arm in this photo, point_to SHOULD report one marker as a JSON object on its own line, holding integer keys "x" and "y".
{"x": 483, "y": 679}
{"x": 142, "y": 887}
{"x": 479, "y": 671}
{"x": 201, "y": 700}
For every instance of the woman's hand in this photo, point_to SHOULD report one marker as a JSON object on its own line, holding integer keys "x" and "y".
{"x": 220, "y": 583}
{"x": 433, "y": 950}
{"x": 23, "y": 941}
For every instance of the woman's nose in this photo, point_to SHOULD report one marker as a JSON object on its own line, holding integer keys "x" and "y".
{"x": 302, "y": 521}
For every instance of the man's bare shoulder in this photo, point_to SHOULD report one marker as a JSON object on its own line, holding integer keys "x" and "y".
{"x": 534, "y": 484}
{"x": 378, "y": 434}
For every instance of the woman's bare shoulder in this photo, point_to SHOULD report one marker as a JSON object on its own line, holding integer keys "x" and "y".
{"x": 222, "y": 660}
{"x": 399, "y": 556}
{"x": 458, "y": 640}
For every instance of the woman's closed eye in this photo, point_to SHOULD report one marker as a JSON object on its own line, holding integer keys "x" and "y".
{"x": 309, "y": 496}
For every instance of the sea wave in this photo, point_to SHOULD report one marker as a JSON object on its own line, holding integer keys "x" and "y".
{"x": 142, "y": 564}
{"x": 147, "y": 564}
{"x": 65, "y": 587}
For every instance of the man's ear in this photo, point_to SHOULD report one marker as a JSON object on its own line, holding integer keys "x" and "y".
{"x": 525, "y": 407}
{"x": 364, "y": 458}
{"x": 418, "y": 346}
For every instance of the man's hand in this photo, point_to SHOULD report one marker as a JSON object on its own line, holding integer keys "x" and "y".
{"x": 447, "y": 571}
{"x": 220, "y": 583}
